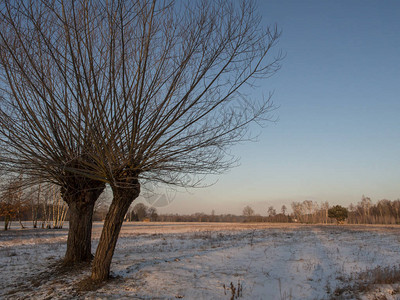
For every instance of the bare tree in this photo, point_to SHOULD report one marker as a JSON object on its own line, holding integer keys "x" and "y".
{"x": 248, "y": 211}
{"x": 57, "y": 208}
{"x": 12, "y": 202}
{"x": 271, "y": 211}
{"x": 283, "y": 209}
{"x": 324, "y": 209}
{"x": 46, "y": 108}
{"x": 365, "y": 206}
{"x": 126, "y": 92}
{"x": 35, "y": 202}
{"x": 308, "y": 209}
{"x": 175, "y": 106}
{"x": 152, "y": 213}
{"x": 140, "y": 211}
{"x": 297, "y": 209}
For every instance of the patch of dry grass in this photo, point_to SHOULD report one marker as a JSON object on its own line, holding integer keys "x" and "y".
{"x": 366, "y": 281}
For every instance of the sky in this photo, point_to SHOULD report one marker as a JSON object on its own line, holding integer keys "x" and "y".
{"x": 338, "y": 131}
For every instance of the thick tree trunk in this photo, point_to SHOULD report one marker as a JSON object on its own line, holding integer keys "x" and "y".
{"x": 79, "y": 243}
{"x": 122, "y": 199}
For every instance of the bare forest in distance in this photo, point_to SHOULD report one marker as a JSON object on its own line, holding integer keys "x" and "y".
{"x": 44, "y": 207}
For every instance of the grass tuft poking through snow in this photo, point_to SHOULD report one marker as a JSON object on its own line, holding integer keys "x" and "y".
{"x": 366, "y": 281}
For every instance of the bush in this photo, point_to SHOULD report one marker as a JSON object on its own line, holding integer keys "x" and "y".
{"x": 339, "y": 213}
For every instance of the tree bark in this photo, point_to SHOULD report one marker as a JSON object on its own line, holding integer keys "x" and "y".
{"x": 81, "y": 206}
{"x": 122, "y": 199}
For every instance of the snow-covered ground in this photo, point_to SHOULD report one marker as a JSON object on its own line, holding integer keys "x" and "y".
{"x": 209, "y": 260}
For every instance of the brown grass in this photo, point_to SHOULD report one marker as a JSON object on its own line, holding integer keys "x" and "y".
{"x": 366, "y": 281}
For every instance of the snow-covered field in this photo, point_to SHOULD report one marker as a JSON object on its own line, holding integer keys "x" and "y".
{"x": 209, "y": 260}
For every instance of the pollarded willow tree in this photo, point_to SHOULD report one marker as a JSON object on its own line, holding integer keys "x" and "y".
{"x": 125, "y": 92}
{"x": 177, "y": 76}
{"x": 46, "y": 110}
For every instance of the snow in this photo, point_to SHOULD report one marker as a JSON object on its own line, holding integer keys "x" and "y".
{"x": 202, "y": 260}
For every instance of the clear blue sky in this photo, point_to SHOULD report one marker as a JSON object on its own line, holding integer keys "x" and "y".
{"x": 338, "y": 92}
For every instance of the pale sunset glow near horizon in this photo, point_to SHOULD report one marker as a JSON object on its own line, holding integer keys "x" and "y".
{"x": 338, "y": 96}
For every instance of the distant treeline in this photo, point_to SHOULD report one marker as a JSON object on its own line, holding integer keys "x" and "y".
{"x": 308, "y": 212}
{"x": 45, "y": 208}
{"x": 364, "y": 212}
{"x": 201, "y": 217}
{"x": 383, "y": 212}
{"x": 42, "y": 204}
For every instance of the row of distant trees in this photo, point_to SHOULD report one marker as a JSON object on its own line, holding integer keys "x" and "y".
{"x": 309, "y": 212}
{"x": 44, "y": 207}
{"x": 41, "y": 204}
{"x": 364, "y": 212}
{"x": 383, "y": 212}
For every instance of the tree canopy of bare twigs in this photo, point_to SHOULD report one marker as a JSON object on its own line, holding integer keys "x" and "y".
{"x": 137, "y": 91}
{"x": 248, "y": 211}
{"x": 176, "y": 104}
{"x": 45, "y": 112}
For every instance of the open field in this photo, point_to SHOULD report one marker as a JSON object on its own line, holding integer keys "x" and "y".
{"x": 201, "y": 260}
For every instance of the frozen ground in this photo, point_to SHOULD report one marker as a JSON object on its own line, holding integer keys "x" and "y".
{"x": 208, "y": 260}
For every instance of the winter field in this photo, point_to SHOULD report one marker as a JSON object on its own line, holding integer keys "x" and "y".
{"x": 212, "y": 261}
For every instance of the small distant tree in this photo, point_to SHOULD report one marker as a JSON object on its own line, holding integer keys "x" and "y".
{"x": 152, "y": 213}
{"x": 140, "y": 211}
{"x": 248, "y": 211}
{"x": 283, "y": 209}
{"x": 297, "y": 208}
{"x": 59, "y": 207}
{"x": 271, "y": 211}
{"x": 11, "y": 202}
{"x": 35, "y": 204}
{"x": 339, "y": 213}
{"x": 324, "y": 209}
{"x": 8, "y": 211}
